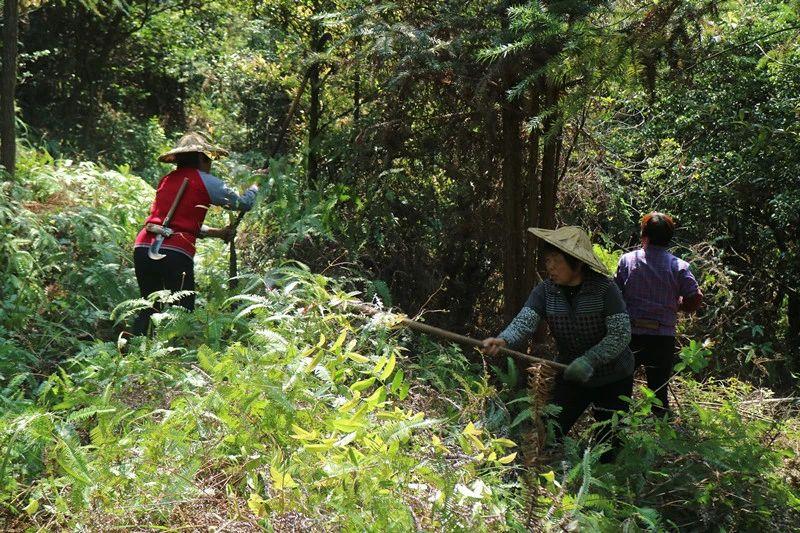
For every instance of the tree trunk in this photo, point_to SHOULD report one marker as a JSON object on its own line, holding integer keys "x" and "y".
{"x": 550, "y": 164}
{"x": 8, "y": 85}
{"x": 314, "y": 111}
{"x": 533, "y": 191}
{"x": 513, "y": 216}
{"x": 793, "y": 315}
{"x": 357, "y": 89}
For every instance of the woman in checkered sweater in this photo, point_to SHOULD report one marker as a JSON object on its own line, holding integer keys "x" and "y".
{"x": 586, "y": 315}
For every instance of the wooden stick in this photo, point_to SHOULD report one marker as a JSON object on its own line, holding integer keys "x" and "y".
{"x": 455, "y": 337}
{"x": 461, "y": 339}
{"x": 233, "y": 265}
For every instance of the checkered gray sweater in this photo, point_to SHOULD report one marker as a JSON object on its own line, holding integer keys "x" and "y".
{"x": 594, "y": 325}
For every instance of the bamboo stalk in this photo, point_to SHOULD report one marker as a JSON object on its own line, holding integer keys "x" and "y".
{"x": 461, "y": 339}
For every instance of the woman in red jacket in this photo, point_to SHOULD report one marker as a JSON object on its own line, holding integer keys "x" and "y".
{"x": 175, "y": 271}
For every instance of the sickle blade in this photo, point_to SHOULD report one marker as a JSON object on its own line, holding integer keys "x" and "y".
{"x": 153, "y": 251}
{"x": 155, "y": 246}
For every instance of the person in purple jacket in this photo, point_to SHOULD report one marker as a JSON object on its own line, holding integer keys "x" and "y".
{"x": 656, "y": 285}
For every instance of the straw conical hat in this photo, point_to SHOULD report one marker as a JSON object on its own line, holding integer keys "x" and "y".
{"x": 574, "y": 241}
{"x": 193, "y": 142}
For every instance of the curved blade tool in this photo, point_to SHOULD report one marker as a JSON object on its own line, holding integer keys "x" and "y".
{"x": 153, "y": 252}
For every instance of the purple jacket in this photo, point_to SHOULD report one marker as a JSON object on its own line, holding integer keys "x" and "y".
{"x": 652, "y": 282}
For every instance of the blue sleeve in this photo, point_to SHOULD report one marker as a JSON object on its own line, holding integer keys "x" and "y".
{"x": 525, "y": 323}
{"x": 521, "y": 328}
{"x": 536, "y": 300}
{"x": 227, "y": 197}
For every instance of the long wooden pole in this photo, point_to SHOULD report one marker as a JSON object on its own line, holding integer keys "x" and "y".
{"x": 233, "y": 260}
{"x": 455, "y": 337}
{"x": 461, "y": 339}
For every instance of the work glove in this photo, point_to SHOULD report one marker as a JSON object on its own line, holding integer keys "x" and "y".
{"x": 580, "y": 370}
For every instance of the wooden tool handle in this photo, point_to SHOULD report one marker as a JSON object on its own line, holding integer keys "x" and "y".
{"x": 233, "y": 258}
{"x": 233, "y": 265}
{"x": 237, "y": 221}
{"x": 175, "y": 202}
{"x": 455, "y": 337}
{"x": 461, "y": 339}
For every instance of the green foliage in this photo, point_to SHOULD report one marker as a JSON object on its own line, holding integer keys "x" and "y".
{"x": 714, "y": 144}
{"x": 133, "y": 144}
{"x": 278, "y": 404}
{"x": 106, "y": 79}
{"x": 66, "y": 256}
{"x": 305, "y": 406}
{"x": 719, "y": 465}
{"x": 610, "y": 258}
{"x": 695, "y": 356}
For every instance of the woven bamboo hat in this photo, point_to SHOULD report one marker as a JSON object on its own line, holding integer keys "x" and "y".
{"x": 193, "y": 142}
{"x": 574, "y": 241}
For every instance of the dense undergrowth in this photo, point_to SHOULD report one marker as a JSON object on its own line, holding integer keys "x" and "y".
{"x": 281, "y": 408}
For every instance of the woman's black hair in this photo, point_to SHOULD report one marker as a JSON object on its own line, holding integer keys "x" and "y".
{"x": 189, "y": 159}
{"x": 573, "y": 262}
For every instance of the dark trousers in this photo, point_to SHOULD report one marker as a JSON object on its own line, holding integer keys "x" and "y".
{"x": 574, "y": 399}
{"x": 174, "y": 272}
{"x": 657, "y": 354}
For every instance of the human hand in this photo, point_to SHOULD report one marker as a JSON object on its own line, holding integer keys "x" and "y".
{"x": 492, "y": 345}
{"x": 579, "y": 370}
{"x": 226, "y": 233}
{"x": 691, "y": 304}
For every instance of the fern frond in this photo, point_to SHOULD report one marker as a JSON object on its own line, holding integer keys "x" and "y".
{"x": 401, "y": 431}
{"x": 127, "y": 308}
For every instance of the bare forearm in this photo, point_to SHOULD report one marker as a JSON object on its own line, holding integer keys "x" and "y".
{"x": 217, "y": 233}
